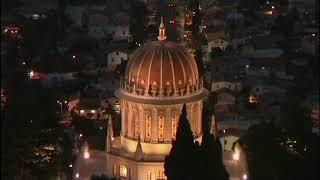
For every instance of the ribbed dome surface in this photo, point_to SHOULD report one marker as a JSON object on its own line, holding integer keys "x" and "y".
{"x": 161, "y": 66}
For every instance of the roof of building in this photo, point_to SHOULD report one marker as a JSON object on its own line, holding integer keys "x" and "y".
{"x": 162, "y": 64}
{"x": 117, "y": 46}
{"x": 214, "y": 35}
{"x": 225, "y": 90}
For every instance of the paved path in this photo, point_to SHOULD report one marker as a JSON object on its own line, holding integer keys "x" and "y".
{"x": 236, "y": 169}
{"x": 96, "y": 164}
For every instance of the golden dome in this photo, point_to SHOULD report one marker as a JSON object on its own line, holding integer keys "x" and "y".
{"x": 161, "y": 68}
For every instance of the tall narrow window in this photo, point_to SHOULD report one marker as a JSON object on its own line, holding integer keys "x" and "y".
{"x": 160, "y": 175}
{"x": 161, "y": 124}
{"x": 174, "y": 126}
{"x": 114, "y": 169}
{"x": 148, "y": 126}
{"x": 123, "y": 171}
{"x": 149, "y": 175}
{"x": 136, "y": 126}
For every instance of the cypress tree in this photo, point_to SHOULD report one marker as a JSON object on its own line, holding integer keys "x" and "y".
{"x": 211, "y": 152}
{"x": 188, "y": 160}
{"x": 179, "y": 164}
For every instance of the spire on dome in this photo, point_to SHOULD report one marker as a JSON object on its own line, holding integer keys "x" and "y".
{"x": 162, "y": 31}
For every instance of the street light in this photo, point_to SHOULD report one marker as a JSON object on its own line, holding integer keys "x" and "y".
{"x": 77, "y": 175}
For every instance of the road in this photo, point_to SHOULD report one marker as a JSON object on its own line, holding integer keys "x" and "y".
{"x": 236, "y": 169}
{"x": 85, "y": 168}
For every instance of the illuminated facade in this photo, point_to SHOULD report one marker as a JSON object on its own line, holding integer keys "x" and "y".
{"x": 160, "y": 77}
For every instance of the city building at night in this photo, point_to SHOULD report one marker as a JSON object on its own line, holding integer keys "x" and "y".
{"x": 160, "y": 77}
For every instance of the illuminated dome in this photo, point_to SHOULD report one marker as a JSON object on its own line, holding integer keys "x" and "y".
{"x": 162, "y": 67}
{"x": 160, "y": 78}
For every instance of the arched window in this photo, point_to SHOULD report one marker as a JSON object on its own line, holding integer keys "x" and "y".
{"x": 160, "y": 175}
{"x": 123, "y": 171}
{"x": 161, "y": 124}
{"x": 114, "y": 169}
{"x": 149, "y": 175}
{"x": 148, "y": 126}
{"x": 174, "y": 126}
{"x": 136, "y": 126}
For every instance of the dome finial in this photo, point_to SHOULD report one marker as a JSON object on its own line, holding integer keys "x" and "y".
{"x": 162, "y": 31}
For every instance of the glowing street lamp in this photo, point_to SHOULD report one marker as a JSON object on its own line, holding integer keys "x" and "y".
{"x": 77, "y": 175}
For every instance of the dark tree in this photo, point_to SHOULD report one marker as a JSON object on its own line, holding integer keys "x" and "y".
{"x": 187, "y": 160}
{"x": 138, "y": 20}
{"x": 179, "y": 164}
{"x": 120, "y": 68}
{"x": 101, "y": 177}
{"x": 216, "y": 52}
{"x": 199, "y": 61}
{"x": 211, "y": 153}
{"x": 269, "y": 155}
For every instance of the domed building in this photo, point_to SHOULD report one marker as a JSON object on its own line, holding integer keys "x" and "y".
{"x": 160, "y": 77}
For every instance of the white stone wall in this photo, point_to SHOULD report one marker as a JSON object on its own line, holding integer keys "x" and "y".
{"x": 134, "y": 111}
{"x": 227, "y": 142}
{"x": 135, "y": 170}
{"x": 217, "y": 43}
{"x": 119, "y": 32}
